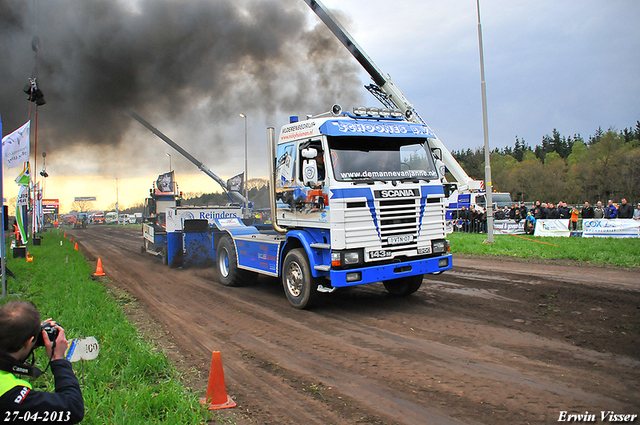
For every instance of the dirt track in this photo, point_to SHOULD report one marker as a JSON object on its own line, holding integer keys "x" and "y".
{"x": 492, "y": 342}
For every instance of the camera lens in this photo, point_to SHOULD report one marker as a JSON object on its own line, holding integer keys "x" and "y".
{"x": 51, "y": 331}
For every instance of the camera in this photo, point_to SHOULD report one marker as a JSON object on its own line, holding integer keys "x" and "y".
{"x": 52, "y": 333}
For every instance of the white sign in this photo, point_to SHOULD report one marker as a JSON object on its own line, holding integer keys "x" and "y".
{"x": 508, "y": 227}
{"x": 615, "y": 228}
{"x": 82, "y": 349}
{"x": 177, "y": 215}
{"x": 553, "y": 227}
{"x": 15, "y": 146}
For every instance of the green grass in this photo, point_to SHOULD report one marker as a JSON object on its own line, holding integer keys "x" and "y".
{"x": 131, "y": 381}
{"x": 601, "y": 251}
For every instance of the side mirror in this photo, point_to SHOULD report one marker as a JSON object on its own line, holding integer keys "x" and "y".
{"x": 310, "y": 173}
{"x": 310, "y": 167}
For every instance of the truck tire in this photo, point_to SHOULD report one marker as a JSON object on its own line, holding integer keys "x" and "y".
{"x": 228, "y": 272}
{"x": 404, "y": 286}
{"x": 299, "y": 284}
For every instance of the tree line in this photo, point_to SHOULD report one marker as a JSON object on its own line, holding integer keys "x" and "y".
{"x": 606, "y": 166}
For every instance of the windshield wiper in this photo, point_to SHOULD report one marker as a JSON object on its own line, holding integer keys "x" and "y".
{"x": 414, "y": 179}
{"x": 363, "y": 180}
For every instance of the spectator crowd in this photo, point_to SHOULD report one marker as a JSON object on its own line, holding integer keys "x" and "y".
{"x": 474, "y": 219}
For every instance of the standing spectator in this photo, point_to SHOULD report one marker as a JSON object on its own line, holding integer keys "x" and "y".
{"x": 563, "y": 209}
{"x": 636, "y": 213}
{"x": 574, "y": 217}
{"x": 625, "y": 210}
{"x": 544, "y": 211}
{"x": 482, "y": 220}
{"x": 540, "y": 211}
{"x": 517, "y": 217}
{"x": 553, "y": 212}
{"x": 611, "y": 211}
{"x": 523, "y": 210}
{"x": 587, "y": 211}
{"x": 473, "y": 219}
{"x": 598, "y": 212}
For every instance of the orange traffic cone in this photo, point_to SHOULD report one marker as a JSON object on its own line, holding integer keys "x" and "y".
{"x": 99, "y": 271}
{"x": 76, "y": 247}
{"x": 29, "y": 258}
{"x": 65, "y": 235}
{"x": 217, "y": 397}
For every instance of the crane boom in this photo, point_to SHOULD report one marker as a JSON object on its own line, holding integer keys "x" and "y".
{"x": 187, "y": 155}
{"x": 391, "y": 91}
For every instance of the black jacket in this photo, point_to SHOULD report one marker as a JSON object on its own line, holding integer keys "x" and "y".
{"x": 65, "y": 406}
{"x": 625, "y": 211}
{"x": 587, "y": 212}
{"x": 553, "y": 213}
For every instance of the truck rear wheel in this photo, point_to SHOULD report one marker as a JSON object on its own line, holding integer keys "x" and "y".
{"x": 299, "y": 284}
{"x": 228, "y": 272}
{"x": 403, "y": 286}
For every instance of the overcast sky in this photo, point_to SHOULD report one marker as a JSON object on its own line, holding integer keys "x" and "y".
{"x": 569, "y": 65}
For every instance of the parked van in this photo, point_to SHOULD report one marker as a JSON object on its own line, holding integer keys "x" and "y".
{"x": 111, "y": 218}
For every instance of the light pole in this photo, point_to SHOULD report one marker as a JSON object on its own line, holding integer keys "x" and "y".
{"x": 246, "y": 179}
{"x": 169, "y": 155}
{"x": 485, "y": 125}
{"x": 117, "y": 210}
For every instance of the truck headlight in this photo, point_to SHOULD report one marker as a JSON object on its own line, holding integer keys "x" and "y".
{"x": 351, "y": 257}
{"x": 439, "y": 246}
{"x": 346, "y": 258}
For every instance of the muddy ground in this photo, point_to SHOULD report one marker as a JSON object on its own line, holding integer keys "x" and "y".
{"x": 490, "y": 341}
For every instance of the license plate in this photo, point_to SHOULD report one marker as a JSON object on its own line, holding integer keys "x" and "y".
{"x": 379, "y": 254}
{"x": 397, "y": 240}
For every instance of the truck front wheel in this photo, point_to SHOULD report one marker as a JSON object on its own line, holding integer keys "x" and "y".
{"x": 228, "y": 272}
{"x": 403, "y": 286}
{"x": 299, "y": 284}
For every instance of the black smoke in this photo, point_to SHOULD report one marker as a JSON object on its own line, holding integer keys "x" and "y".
{"x": 196, "y": 63}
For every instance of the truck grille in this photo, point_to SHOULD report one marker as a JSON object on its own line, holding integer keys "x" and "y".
{"x": 398, "y": 225}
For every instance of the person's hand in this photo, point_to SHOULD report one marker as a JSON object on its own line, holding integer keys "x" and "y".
{"x": 61, "y": 342}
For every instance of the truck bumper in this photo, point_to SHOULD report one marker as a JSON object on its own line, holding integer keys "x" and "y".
{"x": 360, "y": 276}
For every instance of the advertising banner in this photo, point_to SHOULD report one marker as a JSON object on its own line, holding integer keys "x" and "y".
{"x": 553, "y": 227}
{"x": 15, "y": 146}
{"x": 616, "y": 228}
{"x": 177, "y": 215}
{"x": 21, "y": 212}
{"x": 508, "y": 227}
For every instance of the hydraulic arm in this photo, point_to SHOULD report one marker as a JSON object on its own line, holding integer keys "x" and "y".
{"x": 190, "y": 157}
{"x": 386, "y": 91}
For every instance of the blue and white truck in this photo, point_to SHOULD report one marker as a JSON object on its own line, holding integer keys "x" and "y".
{"x": 356, "y": 198}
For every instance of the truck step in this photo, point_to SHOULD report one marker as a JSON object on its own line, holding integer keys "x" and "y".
{"x": 326, "y": 289}
{"x": 320, "y": 245}
{"x": 322, "y": 268}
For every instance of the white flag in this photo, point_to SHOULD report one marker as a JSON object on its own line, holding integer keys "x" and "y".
{"x": 15, "y": 146}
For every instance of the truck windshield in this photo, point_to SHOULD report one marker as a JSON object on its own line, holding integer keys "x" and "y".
{"x": 378, "y": 158}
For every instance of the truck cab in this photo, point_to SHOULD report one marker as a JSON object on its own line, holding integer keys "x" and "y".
{"x": 371, "y": 182}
